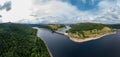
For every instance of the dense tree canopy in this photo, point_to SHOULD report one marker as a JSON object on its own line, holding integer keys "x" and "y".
{"x": 17, "y": 40}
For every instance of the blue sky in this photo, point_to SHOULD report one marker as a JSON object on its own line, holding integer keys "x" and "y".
{"x": 85, "y": 4}
{"x": 60, "y": 11}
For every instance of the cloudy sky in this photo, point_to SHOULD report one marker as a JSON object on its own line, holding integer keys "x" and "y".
{"x": 60, "y": 11}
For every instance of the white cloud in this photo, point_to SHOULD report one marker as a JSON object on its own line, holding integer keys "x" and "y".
{"x": 67, "y": 13}
{"x": 3, "y": 1}
{"x": 59, "y": 12}
{"x": 109, "y": 12}
{"x": 56, "y": 11}
{"x": 20, "y": 10}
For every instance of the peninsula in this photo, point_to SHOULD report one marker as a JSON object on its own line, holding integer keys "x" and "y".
{"x": 83, "y": 32}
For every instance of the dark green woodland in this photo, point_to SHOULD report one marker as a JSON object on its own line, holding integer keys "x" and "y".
{"x": 17, "y": 40}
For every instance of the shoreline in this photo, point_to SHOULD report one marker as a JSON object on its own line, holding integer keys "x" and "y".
{"x": 86, "y": 39}
{"x": 43, "y": 41}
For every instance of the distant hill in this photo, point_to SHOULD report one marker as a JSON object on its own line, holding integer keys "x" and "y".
{"x": 55, "y": 27}
{"x": 114, "y": 26}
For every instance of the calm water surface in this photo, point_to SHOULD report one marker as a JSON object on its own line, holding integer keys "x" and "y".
{"x": 61, "y": 46}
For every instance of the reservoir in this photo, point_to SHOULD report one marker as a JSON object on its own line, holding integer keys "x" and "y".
{"x": 61, "y": 46}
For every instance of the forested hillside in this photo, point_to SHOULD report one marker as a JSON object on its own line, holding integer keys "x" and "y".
{"x": 17, "y": 40}
{"x": 114, "y": 26}
{"x": 55, "y": 27}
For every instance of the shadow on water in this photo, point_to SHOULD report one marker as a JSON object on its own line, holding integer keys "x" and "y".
{"x": 61, "y": 46}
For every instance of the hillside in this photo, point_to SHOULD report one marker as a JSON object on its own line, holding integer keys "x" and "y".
{"x": 17, "y": 40}
{"x": 88, "y": 30}
{"x": 55, "y": 27}
{"x": 114, "y": 26}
